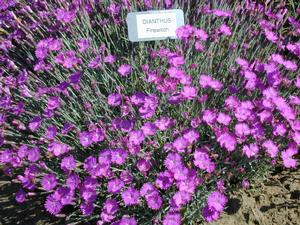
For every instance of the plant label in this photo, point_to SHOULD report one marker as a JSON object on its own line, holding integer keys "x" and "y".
{"x": 154, "y": 25}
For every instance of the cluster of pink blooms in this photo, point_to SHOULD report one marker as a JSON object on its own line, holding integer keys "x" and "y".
{"x": 151, "y": 146}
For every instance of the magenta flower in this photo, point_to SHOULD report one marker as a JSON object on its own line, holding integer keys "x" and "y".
{"x": 65, "y": 16}
{"x": 124, "y": 70}
{"x": 109, "y": 210}
{"x": 136, "y": 137}
{"x": 95, "y": 62}
{"x": 53, "y": 103}
{"x": 173, "y": 161}
{"x": 164, "y": 180}
{"x": 164, "y": 123}
{"x": 89, "y": 194}
{"x": 68, "y": 59}
{"x": 209, "y": 116}
{"x": 110, "y": 206}
{"x": 287, "y": 155}
{"x": 224, "y": 119}
{"x": 33, "y": 154}
{"x": 20, "y": 196}
{"x": 58, "y": 148}
{"x": 90, "y": 165}
{"x": 51, "y": 132}
{"x": 105, "y": 156}
{"x": 138, "y": 99}
{"x": 98, "y": 135}
{"x": 118, "y": 156}
{"x": 201, "y": 34}
{"x": 177, "y": 61}
{"x": 83, "y": 44}
{"x": 110, "y": 59}
{"x": 174, "y": 72}
{"x": 217, "y": 201}
{"x": 185, "y": 32}
{"x": 154, "y": 201}
{"x": 127, "y": 221}
{"x": 245, "y": 184}
{"x": 180, "y": 144}
{"x": 203, "y": 161}
{"x": 73, "y": 181}
{"x": 64, "y": 195}
{"x": 130, "y": 196}
{"x": 6, "y": 156}
{"x": 114, "y": 99}
{"x": 180, "y": 199}
{"x": 172, "y": 219}
{"x": 54, "y": 44}
{"x": 68, "y": 163}
{"x": 87, "y": 208}
{"x": 242, "y": 129}
{"x": 52, "y": 205}
{"x": 189, "y": 92}
{"x": 191, "y": 135}
{"x": 149, "y": 129}
{"x": 149, "y": 106}
{"x": 86, "y": 138}
{"x": 210, "y": 214}
{"x": 227, "y": 141}
{"x": 114, "y": 186}
{"x": 35, "y": 123}
{"x": 250, "y": 150}
{"x": 49, "y": 182}
{"x": 271, "y": 148}
{"x": 147, "y": 189}
{"x": 221, "y": 13}
{"x": 224, "y": 29}
{"x": 271, "y": 36}
{"x": 126, "y": 176}
{"x": 143, "y": 166}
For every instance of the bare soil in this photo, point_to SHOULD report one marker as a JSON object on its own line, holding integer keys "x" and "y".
{"x": 275, "y": 201}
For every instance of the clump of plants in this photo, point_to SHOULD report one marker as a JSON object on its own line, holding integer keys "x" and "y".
{"x": 115, "y": 132}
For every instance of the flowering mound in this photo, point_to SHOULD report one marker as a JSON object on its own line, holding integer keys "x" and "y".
{"x": 119, "y": 133}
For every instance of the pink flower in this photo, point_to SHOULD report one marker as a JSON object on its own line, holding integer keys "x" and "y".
{"x": 177, "y": 61}
{"x": 287, "y": 155}
{"x": 136, "y": 137}
{"x": 191, "y": 135}
{"x": 227, "y": 141}
{"x": 271, "y": 148}
{"x": 149, "y": 129}
{"x": 201, "y": 34}
{"x": 224, "y": 29}
{"x": 114, "y": 99}
{"x": 209, "y": 116}
{"x": 271, "y": 36}
{"x": 185, "y": 32}
{"x": 180, "y": 144}
{"x": 250, "y": 150}
{"x": 124, "y": 70}
{"x": 290, "y": 65}
{"x": 217, "y": 200}
{"x": 203, "y": 161}
{"x": 223, "y": 119}
{"x": 130, "y": 196}
{"x": 58, "y": 148}
{"x": 189, "y": 92}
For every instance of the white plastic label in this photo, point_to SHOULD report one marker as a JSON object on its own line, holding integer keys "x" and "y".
{"x": 154, "y": 25}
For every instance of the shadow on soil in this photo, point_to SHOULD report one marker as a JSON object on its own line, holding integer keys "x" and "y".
{"x": 29, "y": 213}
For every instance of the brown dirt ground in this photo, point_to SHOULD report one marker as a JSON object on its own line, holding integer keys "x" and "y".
{"x": 274, "y": 201}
